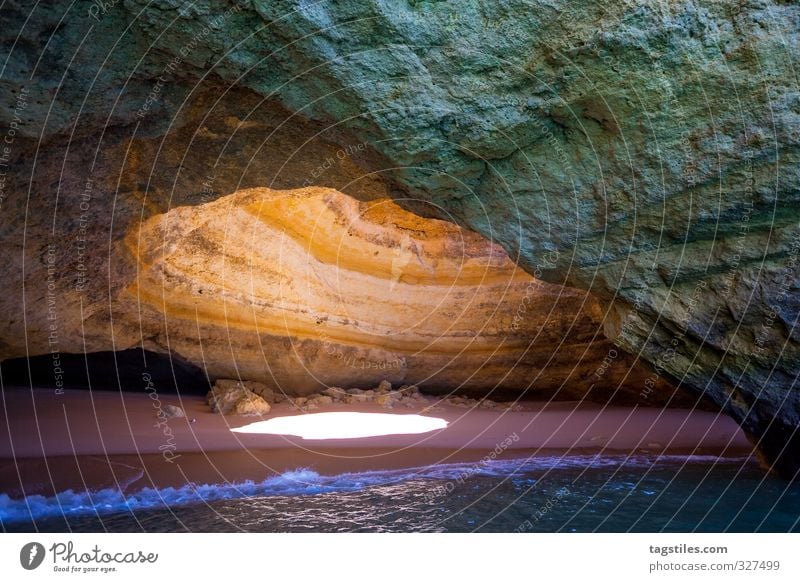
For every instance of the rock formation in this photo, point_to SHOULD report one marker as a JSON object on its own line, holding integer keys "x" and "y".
{"x": 644, "y": 152}
{"x": 303, "y": 289}
{"x": 231, "y": 397}
{"x": 172, "y": 411}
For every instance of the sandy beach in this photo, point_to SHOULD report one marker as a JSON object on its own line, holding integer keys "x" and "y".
{"x": 90, "y": 440}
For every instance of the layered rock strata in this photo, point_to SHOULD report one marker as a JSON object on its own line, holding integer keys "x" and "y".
{"x": 645, "y": 152}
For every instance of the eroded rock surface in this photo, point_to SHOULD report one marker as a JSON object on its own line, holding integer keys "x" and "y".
{"x": 231, "y": 397}
{"x": 646, "y": 152}
{"x": 302, "y": 289}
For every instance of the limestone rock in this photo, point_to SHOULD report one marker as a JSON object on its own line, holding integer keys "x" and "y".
{"x": 267, "y": 393}
{"x": 587, "y": 154}
{"x": 231, "y": 397}
{"x": 172, "y": 411}
{"x": 255, "y": 387}
{"x": 320, "y": 400}
{"x": 355, "y": 399}
{"x": 411, "y": 391}
{"x": 335, "y": 393}
{"x": 250, "y": 405}
{"x": 299, "y": 402}
{"x": 389, "y": 399}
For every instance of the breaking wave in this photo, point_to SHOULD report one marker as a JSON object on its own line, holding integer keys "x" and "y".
{"x": 305, "y": 481}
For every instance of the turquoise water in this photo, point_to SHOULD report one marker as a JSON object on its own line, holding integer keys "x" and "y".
{"x": 552, "y": 494}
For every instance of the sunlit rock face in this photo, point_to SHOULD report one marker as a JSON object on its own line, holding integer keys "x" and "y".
{"x": 644, "y": 151}
{"x": 309, "y": 288}
{"x": 173, "y": 243}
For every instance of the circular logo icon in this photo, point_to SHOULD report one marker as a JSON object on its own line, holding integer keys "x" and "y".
{"x": 31, "y": 555}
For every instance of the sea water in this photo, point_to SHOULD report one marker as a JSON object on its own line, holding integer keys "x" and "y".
{"x": 543, "y": 494}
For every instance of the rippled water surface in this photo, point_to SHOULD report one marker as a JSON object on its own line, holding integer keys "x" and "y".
{"x": 583, "y": 494}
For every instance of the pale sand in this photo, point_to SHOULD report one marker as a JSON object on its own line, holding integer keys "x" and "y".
{"x": 67, "y": 440}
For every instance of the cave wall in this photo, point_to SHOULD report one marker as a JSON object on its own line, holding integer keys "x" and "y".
{"x": 167, "y": 245}
{"x": 309, "y": 288}
{"x": 646, "y": 152}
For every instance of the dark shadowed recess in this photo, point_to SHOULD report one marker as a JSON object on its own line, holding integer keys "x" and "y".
{"x": 131, "y": 370}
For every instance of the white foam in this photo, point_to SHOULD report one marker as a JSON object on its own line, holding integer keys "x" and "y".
{"x": 305, "y": 481}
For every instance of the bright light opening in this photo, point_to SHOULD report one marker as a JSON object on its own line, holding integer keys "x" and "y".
{"x": 344, "y": 425}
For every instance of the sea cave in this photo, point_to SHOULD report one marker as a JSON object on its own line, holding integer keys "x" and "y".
{"x": 287, "y": 246}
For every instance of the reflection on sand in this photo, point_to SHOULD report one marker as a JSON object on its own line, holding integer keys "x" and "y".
{"x": 344, "y": 425}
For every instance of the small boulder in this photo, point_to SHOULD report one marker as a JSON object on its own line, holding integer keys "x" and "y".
{"x": 258, "y": 388}
{"x": 384, "y": 387}
{"x": 251, "y": 405}
{"x": 231, "y": 397}
{"x": 458, "y": 401}
{"x": 409, "y": 390}
{"x": 359, "y": 397}
{"x": 321, "y": 400}
{"x": 385, "y": 400}
{"x": 335, "y": 392}
{"x": 223, "y": 396}
{"x": 389, "y": 399}
{"x": 410, "y": 402}
{"x": 172, "y": 411}
{"x": 262, "y": 390}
